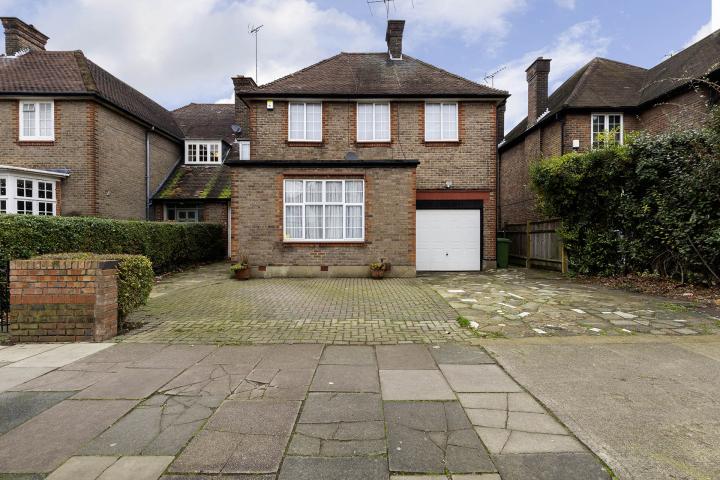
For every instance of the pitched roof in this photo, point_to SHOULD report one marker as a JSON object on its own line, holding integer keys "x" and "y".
{"x": 373, "y": 74}
{"x": 604, "y": 83}
{"x": 197, "y": 183}
{"x": 72, "y": 73}
{"x": 206, "y": 121}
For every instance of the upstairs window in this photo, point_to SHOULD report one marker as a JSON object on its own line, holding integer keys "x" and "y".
{"x": 441, "y": 122}
{"x": 203, "y": 152}
{"x": 37, "y": 120}
{"x": 305, "y": 122}
{"x": 373, "y": 122}
{"x": 607, "y": 129}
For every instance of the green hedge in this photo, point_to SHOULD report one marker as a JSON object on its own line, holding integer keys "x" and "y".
{"x": 135, "y": 277}
{"x": 167, "y": 245}
{"x": 649, "y": 206}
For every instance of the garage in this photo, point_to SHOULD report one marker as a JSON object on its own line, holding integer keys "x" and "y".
{"x": 449, "y": 239}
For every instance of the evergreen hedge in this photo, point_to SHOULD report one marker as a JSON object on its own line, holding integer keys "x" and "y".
{"x": 652, "y": 205}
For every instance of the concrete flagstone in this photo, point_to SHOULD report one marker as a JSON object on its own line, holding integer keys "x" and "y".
{"x": 449, "y": 353}
{"x": 207, "y": 380}
{"x": 404, "y": 357}
{"x": 62, "y": 355}
{"x": 232, "y": 355}
{"x": 274, "y": 384}
{"x": 414, "y": 385}
{"x": 137, "y": 468}
{"x": 345, "y": 378}
{"x": 348, "y": 355}
{"x": 175, "y": 356}
{"x": 488, "y": 401}
{"x": 18, "y": 407}
{"x": 61, "y": 381}
{"x": 11, "y": 377}
{"x": 292, "y": 357}
{"x": 529, "y": 442}
{"x": 479, "y": 378}
{"x": 16, "y": 353}
{"x": 82, "y": 468}
{"x": 550, "y": 466}
{"x": 309, "y": 468}
{"x": 124, "y": 353}
{"x": 130, "y": 383}
{"x": 55, "y": 434}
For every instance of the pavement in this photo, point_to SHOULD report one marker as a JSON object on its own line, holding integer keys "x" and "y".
{"x": 648, "y": 406}
{"x": 281, "y": 412}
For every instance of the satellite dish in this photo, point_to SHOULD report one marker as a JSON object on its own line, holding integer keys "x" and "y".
{"x": 237, "y": 129}
{"x": 351, "y": 156}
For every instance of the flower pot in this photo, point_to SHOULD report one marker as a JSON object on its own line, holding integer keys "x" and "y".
{"x": 377, "y": 274}
{"x": 243, "y": 274}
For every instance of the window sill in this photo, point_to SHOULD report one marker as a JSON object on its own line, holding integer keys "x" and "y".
{"x": 36, "y": 141}
{"x": 379, "y": 143}
{"x": 354, "y": 243}
{"x": 301, "y": 143}
{"x": 441, "y": 143}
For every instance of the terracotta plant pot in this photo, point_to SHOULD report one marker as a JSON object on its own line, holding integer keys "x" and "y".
{"x": 243, "y": 274}
{"x": 377, "y": 274}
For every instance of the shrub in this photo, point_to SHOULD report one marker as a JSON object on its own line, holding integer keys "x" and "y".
{"x": 167, "y": 245}
{"x": 652, "y": 205}
{"x": 135, "y": 277}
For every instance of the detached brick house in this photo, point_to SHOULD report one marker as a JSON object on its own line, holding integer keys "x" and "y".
{"x": 602, "y": 97}
{"x": 75, "y": 140}
{"x": 366, "y": 156}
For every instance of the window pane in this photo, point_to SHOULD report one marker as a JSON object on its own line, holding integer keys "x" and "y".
{"x": 334, "y": 222}
{"x": 353, "y": 222}
{"x": 203, "y": 152}
{"x": 45, "y": 190}
{"x": 313, "y": 222}
{"x": 3, "y": 186}
{"x": 293, "y": 222}
{"x": 598, "y": 127}
{"x": 293, "y": 191}
{"x": 365, "y": 122}
{"x": 314, "y": 121}
{"x": 192, "y": 153}
{"x": 24, "y": 207}
{"x": 3, "y": 206}
{"x": 24, "y": 188}
{"x": 354, "y": 191}
{"x": 244, "y": 150}
{"x": 313, "y": 192}
{"x": 297, "y": 121}
{"x": 432, "y": 121}
{"x": 449, "y": 121}
{"x": 214, "y": 153}
{"x": 615, "y": 127}
{"x": 45, "y": 208}
{"x": 28, "y": 125}
{"x": 46, "y": 120}
{"x": 333, "y": 192}
{"x": 382, "y": 121}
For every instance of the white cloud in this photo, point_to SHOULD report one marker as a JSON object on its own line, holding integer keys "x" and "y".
{"x": 702, "y": 32}
{"x": 569, "y": 4}
{"x": 177, "y": 51}
{"x": 571, "y": 49}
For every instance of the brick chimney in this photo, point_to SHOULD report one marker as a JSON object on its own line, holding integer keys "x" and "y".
{"x": 393, "y": 37}
{"x": 537, "y": 78}
{"x": 19, "y": 36}
{"x": 242, "y": 114}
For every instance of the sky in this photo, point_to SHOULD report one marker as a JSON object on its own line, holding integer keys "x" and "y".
{"x": 182, "y": 51}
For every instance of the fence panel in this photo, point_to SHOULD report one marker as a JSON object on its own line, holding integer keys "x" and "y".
{"x": 536, "y": 244}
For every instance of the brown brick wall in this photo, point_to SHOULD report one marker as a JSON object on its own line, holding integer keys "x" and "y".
{"x": 469, "y": 163}
{"x": 687, "y": 110}
{"x": 63, "y": 300}
{"x": 389, "y": 218}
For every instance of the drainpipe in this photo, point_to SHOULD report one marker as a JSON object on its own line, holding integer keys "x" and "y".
{"x": 147, "y": 172}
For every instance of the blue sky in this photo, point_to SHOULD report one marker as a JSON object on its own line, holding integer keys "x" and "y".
{"x": 178, "y": 51}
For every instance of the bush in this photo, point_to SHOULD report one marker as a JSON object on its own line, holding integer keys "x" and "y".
{"x": 135, "y": 277}
{"x": 167, "y": 245}
{"x": 652, "y": 205}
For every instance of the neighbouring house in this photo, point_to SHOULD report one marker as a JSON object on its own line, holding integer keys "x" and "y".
{"x": 74, "y": 139}
{"x": 199, "y": 188}
{"x": 603, "y": 99}
{"x": 366, "y": 156}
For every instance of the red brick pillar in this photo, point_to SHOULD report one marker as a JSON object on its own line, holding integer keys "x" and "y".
{"x": 63, "y": 300}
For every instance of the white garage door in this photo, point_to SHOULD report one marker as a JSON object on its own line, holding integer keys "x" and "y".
{"x": 448, "y": 240}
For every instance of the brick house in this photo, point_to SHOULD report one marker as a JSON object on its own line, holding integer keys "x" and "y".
{"x": 75, "y": 140}
{"x": 603, "y": 96}
{"x": 364, "y": 156}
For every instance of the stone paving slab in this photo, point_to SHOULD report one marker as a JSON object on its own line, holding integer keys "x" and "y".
{"x": 404, "y": 357}
{"x": 132, "y": 383}
{"x": 175, "y": 356}
{"x": 550, "y": 466}
{"x": 414, "y": 385}
{"x": 346, "y": 378}
{"x": 18, "y": 407}
{"x": 62, "y": 355}
{"x": 308, "y": 468}
{"x": 479, "y": 378}
{"x": 348, "y": 355}
{"x": 61, "y": 381}
{"x": 11, "y": 377}
{"x": 111, "y": 468}
{"x": 16, "y": 353}
{"x": 55, "y": 434}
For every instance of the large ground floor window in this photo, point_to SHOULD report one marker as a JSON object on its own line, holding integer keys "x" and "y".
{"x": 27, "y": 195}
{"x": 330, "y": 210}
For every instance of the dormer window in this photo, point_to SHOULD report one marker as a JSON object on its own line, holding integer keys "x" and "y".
{"x": 203, "y": 152}
{"x": 37, "y": 120}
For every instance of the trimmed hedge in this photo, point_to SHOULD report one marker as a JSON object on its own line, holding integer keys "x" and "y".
{"x": 135, "y": 277}
{"x": 167, "y": 245}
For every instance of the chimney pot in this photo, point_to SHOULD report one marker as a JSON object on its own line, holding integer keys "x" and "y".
{"x": 537, "y": 77}
{"x": 393, "y": 37}
{"x": 20, "y": 36}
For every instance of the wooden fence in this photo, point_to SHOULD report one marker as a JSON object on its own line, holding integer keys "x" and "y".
{"x": 536, "y": 244}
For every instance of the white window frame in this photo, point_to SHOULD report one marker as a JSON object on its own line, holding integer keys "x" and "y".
{"x": 324, "y": 203}
{"x": 11, "y": 197}
{"x": 37, "y": 137}
{"x": 443, "y": 138}
{"x": 207, "y": 144}
{"x": 182, "y": 208}
{"x": 244, "y": 149}
{"x": 607, "y": 116}
{"x": 305, "y": 122}
{"x": 357, "y": 123}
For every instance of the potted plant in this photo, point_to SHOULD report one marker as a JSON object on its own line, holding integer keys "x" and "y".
{"x": 241, "y": 269}
{"x": 377, "y": 269}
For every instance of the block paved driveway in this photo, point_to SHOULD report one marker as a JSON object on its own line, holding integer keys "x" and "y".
{"x": 288, "y": 412}
{"x": 205, "y": 305}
